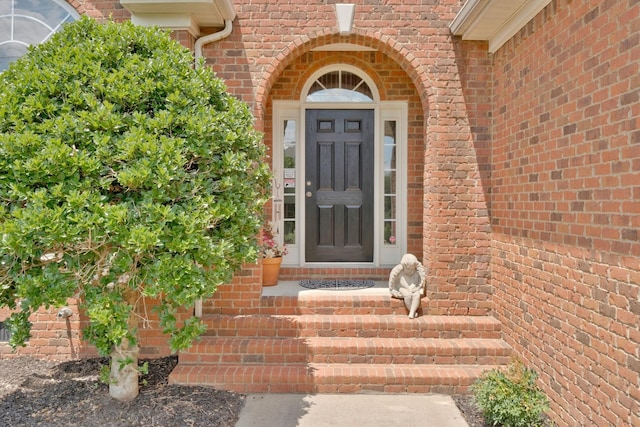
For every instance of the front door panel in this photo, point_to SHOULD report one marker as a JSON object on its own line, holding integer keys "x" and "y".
{"x": 339, "y": 185}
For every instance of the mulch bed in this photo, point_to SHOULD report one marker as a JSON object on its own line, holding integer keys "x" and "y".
{"x": 44, "y": 393}
{"x": 470, "y": 412}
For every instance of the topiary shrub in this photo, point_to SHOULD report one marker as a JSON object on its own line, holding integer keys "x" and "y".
{"x": 510, "y": 397}
{"x": 125, "y": 173}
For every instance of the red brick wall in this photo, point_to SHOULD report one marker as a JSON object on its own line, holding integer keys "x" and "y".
{"x": 546, "y": 129}
{"x": 566, "y": 166}
{"x": 456, "y": 219}
{"x": 565, "y": 206}
{"x": 52, "y": 338}
{"x": 270, "y": 45}
{"x": 101, "y": 10}
{"x": 445, "y": 83}
{"x": 61, "y": 339}
{"x": 242, "y": 295}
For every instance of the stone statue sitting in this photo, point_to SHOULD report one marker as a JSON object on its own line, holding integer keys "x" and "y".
{"x": 407, "y": 281}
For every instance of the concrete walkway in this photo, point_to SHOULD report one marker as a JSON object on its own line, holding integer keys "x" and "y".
{"x": 350, "y": 410}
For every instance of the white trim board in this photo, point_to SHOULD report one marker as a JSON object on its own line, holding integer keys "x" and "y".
{"x": 496, "y": 21}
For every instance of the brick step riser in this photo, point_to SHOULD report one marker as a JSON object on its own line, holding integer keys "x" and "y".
{"x": 282, "y": 351}
{"x": 336, "y": 311}
{"x": 335, "y": 305}
{"x": 280, "y": 359}
{"x": 411, "y": 360}
{"x": 331, "y": 378}
{"x": 293, "y": 333}
{"x": 246, "y": 379}
{"x": 348, "y": 326}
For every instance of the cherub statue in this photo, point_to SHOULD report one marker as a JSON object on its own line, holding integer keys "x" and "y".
{"x": 407, "y": 281}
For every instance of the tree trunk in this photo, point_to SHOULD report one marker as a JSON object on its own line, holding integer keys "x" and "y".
{"x": 123, "y": 380}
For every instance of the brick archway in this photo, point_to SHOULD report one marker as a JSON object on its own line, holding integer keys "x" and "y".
{"x": 304, "y": 44}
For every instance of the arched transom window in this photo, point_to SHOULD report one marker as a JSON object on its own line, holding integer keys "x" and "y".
{"x": 339, "y": 86}
{"x": 29, "y": 22}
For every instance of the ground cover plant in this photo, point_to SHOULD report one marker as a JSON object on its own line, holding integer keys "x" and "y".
{"x": 125, "y": 173}
{"x": 511, "y": 397}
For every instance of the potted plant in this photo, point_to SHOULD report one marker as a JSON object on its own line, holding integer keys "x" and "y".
{"x": 272, "y": 253}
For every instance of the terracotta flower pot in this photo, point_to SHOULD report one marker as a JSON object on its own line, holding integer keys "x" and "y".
{"x": 270, "y": 271}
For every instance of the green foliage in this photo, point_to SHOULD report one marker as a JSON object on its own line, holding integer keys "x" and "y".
{"x": 105, "y": 371}
{"x": 143, "y": 369}
{"x": 125, "y": 172}
{"x": 105, "y": 374}
{"x": 511, "y": 398}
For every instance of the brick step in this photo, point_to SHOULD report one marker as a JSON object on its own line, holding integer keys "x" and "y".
{"x": 294, "y": 378}
{"x": 250, "y": 350}
{"x": 360, "y": 378}
{"x": 331, "y": 378}
{"x": 364, "y": 326}
{"x": 399, "y": 351}
{"x": 257, "y": 350}
{"x": 335, "y": 304}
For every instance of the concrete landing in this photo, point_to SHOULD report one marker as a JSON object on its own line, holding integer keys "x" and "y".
{"x": 349, "y": 410}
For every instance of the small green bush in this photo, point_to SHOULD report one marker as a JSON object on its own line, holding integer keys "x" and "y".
{"x": 510, "y": 397}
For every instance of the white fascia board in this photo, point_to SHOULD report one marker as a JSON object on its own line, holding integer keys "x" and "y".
{"x": 512, "y": 26}
{"x": 495, "y": 21}
{"x": 211, "y": 13}
{"x": 466, "y": 16}
{"x": 226, "y": 8}
{"x": 171, "y": 21}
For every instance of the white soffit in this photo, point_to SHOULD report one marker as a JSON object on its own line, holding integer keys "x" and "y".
{"x": 494, "y": 20}
{"x": 180, "y": 14}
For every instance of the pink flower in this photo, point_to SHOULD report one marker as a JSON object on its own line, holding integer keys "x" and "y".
{"x": 270, "y": 248}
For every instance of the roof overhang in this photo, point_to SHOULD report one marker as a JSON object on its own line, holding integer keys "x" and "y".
{"x": 495, "y": 21}
{"x": 188, "y": 15}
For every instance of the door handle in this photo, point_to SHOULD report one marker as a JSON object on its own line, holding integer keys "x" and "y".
{"x": 308, "y": 194}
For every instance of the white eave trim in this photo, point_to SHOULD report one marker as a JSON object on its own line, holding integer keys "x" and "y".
{"x": 495, "y": 21}
{"x": 188, "y": 15}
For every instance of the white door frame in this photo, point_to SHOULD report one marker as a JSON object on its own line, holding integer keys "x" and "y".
{"x": 384, "y": 253}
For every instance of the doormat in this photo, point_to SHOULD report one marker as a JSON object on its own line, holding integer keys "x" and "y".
{"x": 337, "y": 284}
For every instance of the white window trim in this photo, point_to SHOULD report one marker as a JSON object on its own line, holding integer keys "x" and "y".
{"x": 71, "y": 12}
{"x": 339, "y": 67}
{"x": 384, "y": 255}
{"x": 34, "y": 21}
{"x": 389, "y": 111}
{"x": 286, "y": 110}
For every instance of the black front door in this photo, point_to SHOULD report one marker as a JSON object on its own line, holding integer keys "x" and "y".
{"x": 339, "y": 185}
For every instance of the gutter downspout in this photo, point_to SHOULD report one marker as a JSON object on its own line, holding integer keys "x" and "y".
{"x": 228, "y": 27}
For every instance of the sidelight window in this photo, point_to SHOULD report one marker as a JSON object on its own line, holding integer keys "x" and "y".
{"x": 390, "y": 183}
{"x": 289, "y": 182}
